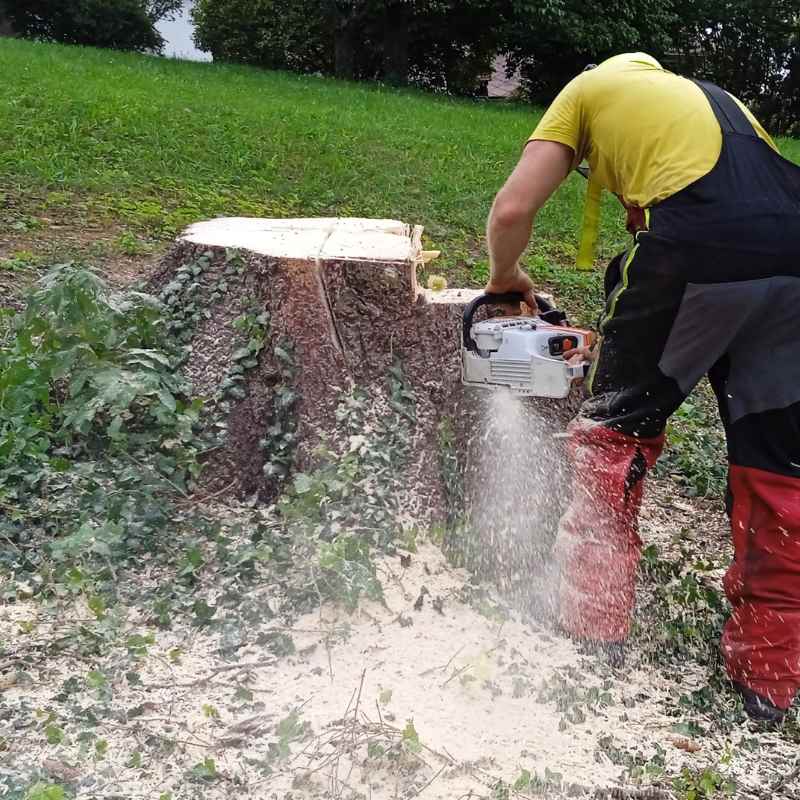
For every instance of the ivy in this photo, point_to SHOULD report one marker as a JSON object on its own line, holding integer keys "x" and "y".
{"x": 279, "y": 441}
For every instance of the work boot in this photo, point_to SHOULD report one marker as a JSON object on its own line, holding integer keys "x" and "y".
{"x": 759, "y": 708}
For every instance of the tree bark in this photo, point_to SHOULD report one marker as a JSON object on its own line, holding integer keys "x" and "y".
{"x": 342, "y": 299}
{"x": 6, "y": 28}
{"x": 344, "y": 53}
{"x": 395, "y": 44}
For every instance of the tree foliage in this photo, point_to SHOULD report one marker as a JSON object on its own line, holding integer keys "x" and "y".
{"x": 750, "y": 48}
{"x": 118, "y": 24}
{"x": 276, "y": 34}
{"x": 439, "y": 44}
{"x": 552, "y": 41}
{"x": 747, "y": 46}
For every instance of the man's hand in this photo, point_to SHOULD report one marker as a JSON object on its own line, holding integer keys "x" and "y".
{"x": 517, "y": 282}
{"x": 581, "y": 355}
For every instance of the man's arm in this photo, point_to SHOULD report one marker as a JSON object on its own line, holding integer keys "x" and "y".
{"x": 543, "y": 166}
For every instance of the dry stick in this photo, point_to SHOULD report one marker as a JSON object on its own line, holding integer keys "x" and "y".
{"x": 441, "y": 770}
{"x": 441, "y": 669}
{"x": 206, "y": 498}
{"x": 355, "y": 710}
{"x": 265, "y": 662}
{"x": 456, "y": 674}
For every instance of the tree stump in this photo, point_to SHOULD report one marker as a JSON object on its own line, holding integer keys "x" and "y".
{"x": 336, "y": 305}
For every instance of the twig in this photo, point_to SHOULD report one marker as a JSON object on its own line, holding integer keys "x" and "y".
{"x": 211, "y": 496}
{"x": 13, "y": 544}
{"x": 441, "y": 770}
{"x": 355, "y": 710}
{"x": 441, "y": 669}
{"x": 266, "y": 662}
{"x": 456, "y": 674}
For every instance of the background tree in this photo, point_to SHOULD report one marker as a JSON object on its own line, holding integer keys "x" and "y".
{"x": 552, "y": 41}
{"x": 441, "y": 44}
{"x": 276, "y": 34}
{"x": 119, "y": 24}
{"x": 746, "y": 46}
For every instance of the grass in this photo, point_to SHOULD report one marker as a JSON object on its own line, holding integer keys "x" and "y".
{"x": 157, "y": 144}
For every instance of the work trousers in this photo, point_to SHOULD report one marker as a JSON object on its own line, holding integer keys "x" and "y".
{"x": 675, "y": 313}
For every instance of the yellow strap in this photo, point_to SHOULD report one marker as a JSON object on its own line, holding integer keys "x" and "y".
{"x": 591, "y": 223}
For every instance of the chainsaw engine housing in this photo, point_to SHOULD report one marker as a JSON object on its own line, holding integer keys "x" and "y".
{"x": 524, "y": 356}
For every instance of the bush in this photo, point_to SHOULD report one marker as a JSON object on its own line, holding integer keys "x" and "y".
{"x": 118, "y": 24}
{"x": 552, "y": 43}
{"x": 276, "y": 34}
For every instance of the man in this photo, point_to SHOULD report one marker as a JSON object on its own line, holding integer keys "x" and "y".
{"x": 710, "y": 285}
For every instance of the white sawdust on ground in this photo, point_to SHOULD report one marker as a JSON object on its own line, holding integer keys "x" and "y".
{"x": 470, "y": 682}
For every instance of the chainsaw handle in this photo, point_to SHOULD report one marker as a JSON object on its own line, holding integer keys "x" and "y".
{"x": 547, "y": 313}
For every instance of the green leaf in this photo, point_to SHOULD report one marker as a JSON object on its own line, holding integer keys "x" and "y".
{"x": 167, "y": 399}
{"x": 45, "y": 791}
{"x": 302, "y": 483}
{"x": 203, "y": 612}
{"x": 96, "y": 679}
{"x": 243, "y": 695}
{"x": 54, "y": 734}
{"x": 523, "y": 781}
{"x": 411, "y": 737}
{"x": 206, "y": 770}
{"x": 375, "y": 750}
{"x": 385, "y": 696}
{"x": 97, "y": 606}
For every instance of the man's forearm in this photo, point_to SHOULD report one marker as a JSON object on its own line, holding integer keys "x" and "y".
{"x": 540, "y": 170}
{"x": 507, "y": 240}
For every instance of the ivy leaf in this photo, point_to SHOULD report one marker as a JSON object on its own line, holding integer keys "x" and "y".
{"x": 302, "y": 483}
{"x": 54, "y": 734}
{"x": 206, "y": 770}
{"x": 167, "y": 399}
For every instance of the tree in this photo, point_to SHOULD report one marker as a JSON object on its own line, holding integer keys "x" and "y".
{"x": 162, "y": 9}
{"x": 552, "y": 41}
{"x": 746, "y": 46}
{"x": 441, "y": 44}
{"x": 118, "y": 24}
{"x": 276, "y": 34}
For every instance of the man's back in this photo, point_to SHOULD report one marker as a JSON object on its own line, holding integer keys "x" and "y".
{"x": 645, "y": 132}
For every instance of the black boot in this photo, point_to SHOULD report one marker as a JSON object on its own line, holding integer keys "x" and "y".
{"x": 759, "y": 708}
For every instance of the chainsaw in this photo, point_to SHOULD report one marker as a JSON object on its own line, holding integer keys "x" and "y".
{"x": 526, "y": 355}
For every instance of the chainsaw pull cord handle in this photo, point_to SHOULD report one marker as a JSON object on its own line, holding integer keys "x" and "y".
{"x": 547, "y": 313}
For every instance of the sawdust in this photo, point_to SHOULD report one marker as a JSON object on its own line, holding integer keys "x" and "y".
{"x": 488, "y": 693}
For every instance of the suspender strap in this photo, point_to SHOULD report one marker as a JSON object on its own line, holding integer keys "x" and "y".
{"x": 729, "y": 114}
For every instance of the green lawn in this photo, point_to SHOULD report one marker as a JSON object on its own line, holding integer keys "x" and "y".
{"x": 155, "y": 144}
{"x": 159, "y": 143}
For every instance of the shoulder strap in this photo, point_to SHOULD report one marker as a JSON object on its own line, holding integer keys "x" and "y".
{"x": 729, "y": 114}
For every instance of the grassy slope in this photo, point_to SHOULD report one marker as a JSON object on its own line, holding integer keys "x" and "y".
{"x": 160, "y": 143}
{"x": 156, "y": 144}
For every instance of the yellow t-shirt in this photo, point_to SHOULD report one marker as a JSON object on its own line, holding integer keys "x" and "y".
{"x": 646, "y": 133}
